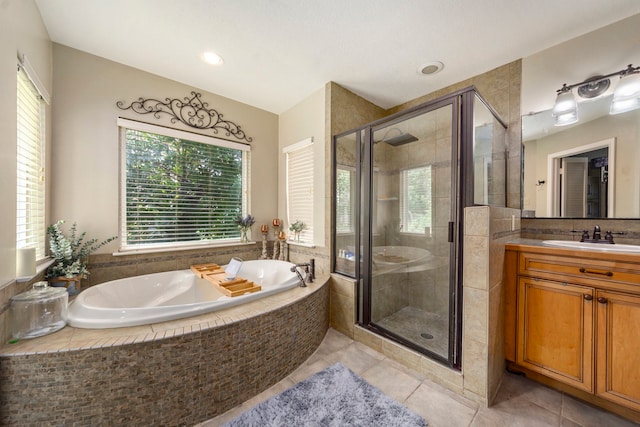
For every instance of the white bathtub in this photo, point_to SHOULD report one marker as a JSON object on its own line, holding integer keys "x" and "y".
{"x": 159, "y": 297}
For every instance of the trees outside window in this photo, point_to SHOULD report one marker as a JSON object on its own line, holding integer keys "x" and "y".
{"x": 178, "y": 191}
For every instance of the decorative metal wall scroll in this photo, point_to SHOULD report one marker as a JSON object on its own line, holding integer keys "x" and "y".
{"x": 191, "y": 111}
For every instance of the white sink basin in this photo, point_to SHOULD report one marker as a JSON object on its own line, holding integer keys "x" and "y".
{"x": 605, "y": 247}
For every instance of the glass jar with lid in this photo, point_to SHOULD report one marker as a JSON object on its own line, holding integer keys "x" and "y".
{"x": 38, "y": 311}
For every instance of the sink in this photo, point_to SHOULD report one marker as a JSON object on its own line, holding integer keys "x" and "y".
{"x": 605, "y": 247}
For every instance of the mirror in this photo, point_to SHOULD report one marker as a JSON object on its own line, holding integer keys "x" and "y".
{"x": 587, "y": 170}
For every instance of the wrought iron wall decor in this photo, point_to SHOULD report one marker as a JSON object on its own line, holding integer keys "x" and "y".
{"x": 192, "y": 111}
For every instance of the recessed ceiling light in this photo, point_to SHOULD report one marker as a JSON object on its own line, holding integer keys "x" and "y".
{"x": 212, "y": 58}
{"x": 430, "y": 68}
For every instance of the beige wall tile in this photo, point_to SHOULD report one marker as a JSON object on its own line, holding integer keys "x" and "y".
{"x": 476, "y": 315}
{"x": 476, "y": 265}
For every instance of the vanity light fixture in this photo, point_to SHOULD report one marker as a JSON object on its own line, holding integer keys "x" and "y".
{"x": 626, "y": 96}
{"x": 565, "y": 111}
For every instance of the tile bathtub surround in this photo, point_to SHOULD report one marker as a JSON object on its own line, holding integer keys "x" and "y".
{"x": 174, "y": 373}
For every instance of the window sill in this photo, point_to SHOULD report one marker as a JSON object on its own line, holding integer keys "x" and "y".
{"x": 304, "y": 245}
{"x": 39, "y": 269}
{"x": 125, "y": 252}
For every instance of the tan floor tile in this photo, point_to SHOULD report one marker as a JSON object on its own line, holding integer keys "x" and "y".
{"x": 224, "y": 418}
{"x": 354, "y": 358}
{"x": 515, "y": 413}
{"x": 270, "y": 392}
{"x": 439, "y": 409}
{"x": 392, "y": 382}
{"x": 334, "y": 341}
{"x": 568, "y": 423}
{"x": 306, "y": 370}
{"x": 518, "y": 387}
{"x": 589, "y": 416}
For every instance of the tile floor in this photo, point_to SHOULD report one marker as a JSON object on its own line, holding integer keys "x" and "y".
{"x": 520, "y": 402}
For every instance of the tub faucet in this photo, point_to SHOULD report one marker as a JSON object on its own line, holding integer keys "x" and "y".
{"x": 294, "y": 269}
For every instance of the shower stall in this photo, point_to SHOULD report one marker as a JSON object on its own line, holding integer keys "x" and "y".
{"x": 400, "y": 187}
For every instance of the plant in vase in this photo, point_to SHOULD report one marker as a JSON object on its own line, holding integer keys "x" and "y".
{"x": 244, "y": 224}
{"x": 297, "y": 227}
{"x": 70, "y": 255}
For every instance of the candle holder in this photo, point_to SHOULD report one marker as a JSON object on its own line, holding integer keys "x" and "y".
{"x": 282, "y": 237}
{"x": 265, "y": 230}
{"x": 276, "y": 234}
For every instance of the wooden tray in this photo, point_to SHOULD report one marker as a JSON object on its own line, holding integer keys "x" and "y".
{"x": 201, "y": 269}
{"x": 216, "y": 275}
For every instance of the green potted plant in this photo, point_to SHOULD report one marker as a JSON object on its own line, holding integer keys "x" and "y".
{"x": 70, "y": 256}
{"x": 297, "y": 227}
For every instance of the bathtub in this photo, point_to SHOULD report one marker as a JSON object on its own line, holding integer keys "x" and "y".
{"x": 171, "y": 295}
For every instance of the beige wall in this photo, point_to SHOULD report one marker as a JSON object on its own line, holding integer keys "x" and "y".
{"x": 305, "y": 120}
{"x": 21, "y": 32}
{"x": 85, "y": 160}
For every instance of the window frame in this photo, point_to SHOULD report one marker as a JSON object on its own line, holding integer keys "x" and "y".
{"x": 123, "y": 125}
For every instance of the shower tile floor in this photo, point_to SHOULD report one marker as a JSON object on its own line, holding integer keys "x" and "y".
{"x": 418, "y": 326}
{"x": 520, "y": 402}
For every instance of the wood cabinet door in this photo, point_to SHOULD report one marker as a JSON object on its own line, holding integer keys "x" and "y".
{"x": 618, "y": 348}
{"x": 555, "y": 330}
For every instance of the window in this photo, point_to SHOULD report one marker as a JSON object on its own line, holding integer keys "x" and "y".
{"x": 415, "y": 200}
{"x": 179, "y": 188}
{"x": 300, "y": 186}
{"x": 30, "y": 213}
{"x": 345, "y": 199}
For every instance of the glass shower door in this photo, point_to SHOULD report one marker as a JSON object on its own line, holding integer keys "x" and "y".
{"x": 412, "y": 215}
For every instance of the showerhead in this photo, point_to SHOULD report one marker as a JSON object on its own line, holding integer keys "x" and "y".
{"x": 403, "y": 138}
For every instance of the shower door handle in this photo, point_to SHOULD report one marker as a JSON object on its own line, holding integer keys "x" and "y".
{"x": 450, "y": 231}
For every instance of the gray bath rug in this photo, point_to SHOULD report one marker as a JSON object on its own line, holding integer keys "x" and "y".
{"x": 332, "y": 397}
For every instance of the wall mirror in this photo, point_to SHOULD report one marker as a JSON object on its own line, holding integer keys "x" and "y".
{"x": 591, "y": 168}
{"x": 586, "y": 170}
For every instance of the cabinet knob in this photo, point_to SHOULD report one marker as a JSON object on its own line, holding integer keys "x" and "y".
{"x": 602, "y": 300}
{"x": 588, "y": 297}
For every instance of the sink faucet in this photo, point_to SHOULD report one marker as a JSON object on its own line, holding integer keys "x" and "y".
{"x": 597, "y": 235}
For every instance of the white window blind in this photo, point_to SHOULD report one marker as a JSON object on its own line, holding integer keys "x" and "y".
{"x": 30, "y": 215}
{"x": 416, "y": 200}
{"x": 179, "y": 188}
{"x": 300, "y": 187}
{"x": 345, "y": 199}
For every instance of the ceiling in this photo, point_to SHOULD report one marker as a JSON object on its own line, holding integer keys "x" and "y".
{"x": 278, "y": 52}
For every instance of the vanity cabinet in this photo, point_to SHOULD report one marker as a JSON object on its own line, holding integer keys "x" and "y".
{"x": 555, "y": 330}
{"x": 572, "y": 320}
{"x": 618, "y": 349}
